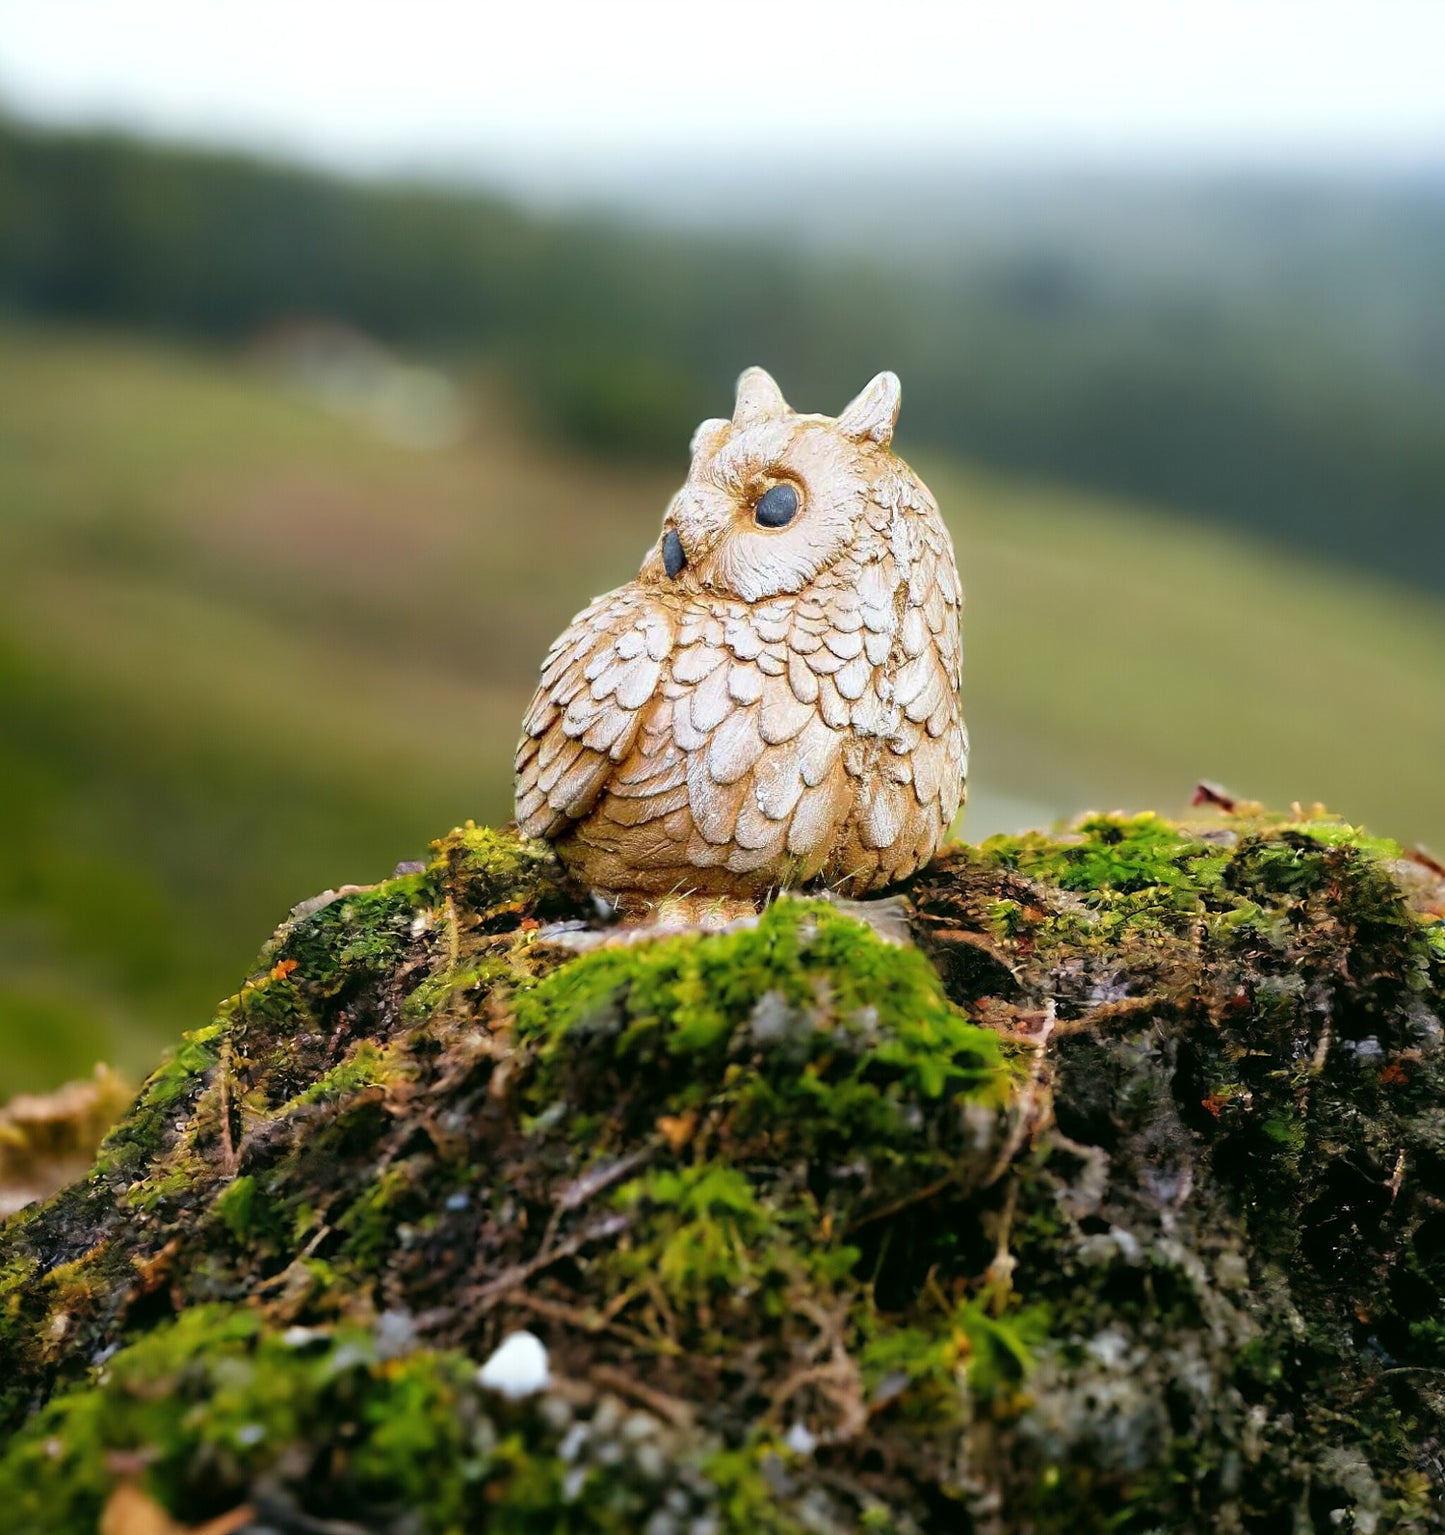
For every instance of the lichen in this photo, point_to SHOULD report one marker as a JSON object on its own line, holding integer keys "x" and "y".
{"x": 1115, "y": 1204}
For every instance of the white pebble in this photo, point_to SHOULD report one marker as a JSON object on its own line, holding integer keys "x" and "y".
{"x": 518, "y": 1366}
{"x": 799, "y": 1440}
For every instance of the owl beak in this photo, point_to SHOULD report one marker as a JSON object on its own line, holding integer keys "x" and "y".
{"x": 674, "y": 556}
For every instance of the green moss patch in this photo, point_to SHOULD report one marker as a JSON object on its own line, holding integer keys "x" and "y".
{"x": 313, "y": 1424}
{"x": 813, "y": 1033}
{"x": 1107, "y": 855}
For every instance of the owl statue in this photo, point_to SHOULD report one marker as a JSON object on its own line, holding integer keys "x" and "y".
{"x": 773, "y": 701}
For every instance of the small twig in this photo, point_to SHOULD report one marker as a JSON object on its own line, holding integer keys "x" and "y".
{"x": 322, "y": 1232}
{"x": 559, "y": 1311}
{"x": 1000, "y": 1271}
{"x": 917, "y": 1197}
{"x": 620, "y": 1302}
{"x": 592, "y": 1322}
{"x": 853, "y": 1410}
{"x": 1029, "y": 1116}
{"x": 677, "y": 1412}
{"x": 1206, "y": 793}
{"x": 282, "y": 1513}
{"x": 223, "y": 1076}
{"x": 594, "y": 1181}
{"x": 1322, "y": 1050}
{"x": 498, "y": 1288}
{"x": 1426, "y": 859}
{"x": 129, "y": 1508}
{"x": 591, "y": 1183}
{"x": 661, "y": 1309}
{"x": 454, "y": 935}
{"x": 838, "y": 1379}
{"x": 1397, "y": 1178}
{"x": 1108, "y": 1012}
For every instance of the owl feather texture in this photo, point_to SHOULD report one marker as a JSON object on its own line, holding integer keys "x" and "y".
{"x": 773, "y": 702}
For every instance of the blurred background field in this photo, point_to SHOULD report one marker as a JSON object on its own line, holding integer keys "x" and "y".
{"x": 301, "y": 471}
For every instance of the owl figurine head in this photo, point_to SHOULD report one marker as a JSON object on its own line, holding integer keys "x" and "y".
{"x": 773, "y": 497}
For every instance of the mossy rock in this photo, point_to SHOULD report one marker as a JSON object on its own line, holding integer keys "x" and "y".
{"x": 1114, "y": 1202}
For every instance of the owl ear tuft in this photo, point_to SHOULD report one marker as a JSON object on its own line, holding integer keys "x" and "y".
{"x": 759, "y": 398}
{"x": 706, "y": 438}
{"x": 872, "y": 416}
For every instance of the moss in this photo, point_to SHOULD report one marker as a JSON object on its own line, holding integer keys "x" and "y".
{"x": 150, "y": 1192}
{"x": 235, "y": 1206}
{"x": 216, "y": 1403}
{"x": 802, "y": 1043}
{"x": 745, "y": 1495}
{"x": 1120, "y": 1210}
{"x": 151, "y": 1124}
{"x": 365, "y": 1066}
{"x": 355, "y": 936}
{"x": 438, "y": 991}
{"x": 371, "y": 1219}
{"x": 213, "y": 1400}
{"x": 821, "y": 1029}
{"x": 1001, "y": 1346}
{"x": 497, "y": 872}
{"x": 1107, "y": 854}
{"x": 712, "y": 1255}
{"x": 17, "y": 1275}
{"x": 1435, "y": 938}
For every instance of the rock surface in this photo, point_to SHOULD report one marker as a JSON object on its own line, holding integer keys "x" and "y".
{"x": 1116, "y": 1203}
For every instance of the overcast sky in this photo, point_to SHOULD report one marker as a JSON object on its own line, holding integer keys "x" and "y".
{"x": 504, "y": 88}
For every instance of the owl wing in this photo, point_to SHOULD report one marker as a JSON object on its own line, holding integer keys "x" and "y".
{"x": 739, "y": 742}
{"x": 596, "y": 683}
{"x": 770, "y": 716}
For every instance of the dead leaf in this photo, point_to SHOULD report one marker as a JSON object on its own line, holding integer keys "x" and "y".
{"x": 48, "y": 1139}
{"x": 677, "y": 1129}
{"x": 1206, "y": 793}
{"x": 130, "y": 1510}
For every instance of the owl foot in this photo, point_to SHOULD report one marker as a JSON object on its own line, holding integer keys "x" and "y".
{"x": 672, "y": 915}
{"x": 710, "y": 912}
{"x": 638, "y": 920}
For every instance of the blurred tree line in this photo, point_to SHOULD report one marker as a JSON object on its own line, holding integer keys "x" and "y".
{"x": 1312, "y": 410}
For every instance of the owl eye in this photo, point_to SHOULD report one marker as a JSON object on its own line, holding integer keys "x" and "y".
{"x": 674, "y": 556}
{"x": 777, "y": 507}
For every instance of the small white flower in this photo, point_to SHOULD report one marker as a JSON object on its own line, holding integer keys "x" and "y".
{"x": 518, "y": 1366}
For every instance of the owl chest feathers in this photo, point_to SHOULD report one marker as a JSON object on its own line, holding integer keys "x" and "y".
{"x": 685, "y": 741}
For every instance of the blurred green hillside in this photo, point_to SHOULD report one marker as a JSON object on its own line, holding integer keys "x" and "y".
{"x": 251, "y": 647}
{"x": 1267, "y": 355}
